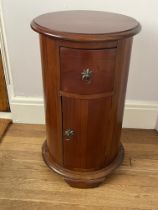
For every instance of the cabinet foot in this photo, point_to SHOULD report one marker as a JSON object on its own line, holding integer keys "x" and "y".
{"x": 82, "y": 179}
{"x": 84, "y": 184}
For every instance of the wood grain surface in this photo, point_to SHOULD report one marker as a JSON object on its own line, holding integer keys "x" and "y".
{"x": 88, "y": 148}
{"x": 4, "y": 103}
{"x": 4, "y": 125}
{"x": 73, "y": 62}
{"x": 96, "y": 121}
{"x": 85, "y": 61}
{"x": 27, "y": 184}
{"x": 84, "y": 25}
{"x": 50, "y": 66}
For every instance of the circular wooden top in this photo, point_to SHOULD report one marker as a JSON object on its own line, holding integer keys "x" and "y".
{"x": 86, "y": 25}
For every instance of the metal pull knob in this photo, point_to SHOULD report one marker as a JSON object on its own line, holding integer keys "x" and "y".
{"x": 69, "y": 133}
{"x": 87, "y": 75}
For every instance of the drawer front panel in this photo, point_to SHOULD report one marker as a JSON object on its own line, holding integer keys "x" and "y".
{"x": 87, "y": 71}
{"x": 87, "y": 133}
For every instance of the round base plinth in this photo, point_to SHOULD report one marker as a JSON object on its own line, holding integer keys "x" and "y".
{"x": 82, "y": 179}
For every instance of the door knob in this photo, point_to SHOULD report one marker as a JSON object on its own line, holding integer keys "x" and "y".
{"x": 87, "y": 75}
{"x": 69, "y": 133}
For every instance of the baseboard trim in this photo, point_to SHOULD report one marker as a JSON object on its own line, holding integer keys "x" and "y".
{"x": 27, "y": 110}
{"x": 140, "y": 114}
{"x": 6, "y": 115}
{"x": 137, "y": 114}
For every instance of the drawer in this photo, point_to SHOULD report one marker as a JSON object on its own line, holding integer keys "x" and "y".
{"x": 85, "y": 71}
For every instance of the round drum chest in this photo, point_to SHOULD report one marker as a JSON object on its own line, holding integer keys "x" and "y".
{"x": 85, "y": 60}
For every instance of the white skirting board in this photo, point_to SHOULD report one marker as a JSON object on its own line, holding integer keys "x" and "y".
{"x": 27, "y": 110}
{"x": 141, "y": 114}
{"x": 137, "y": 114}
{"x": 6, "y": 115}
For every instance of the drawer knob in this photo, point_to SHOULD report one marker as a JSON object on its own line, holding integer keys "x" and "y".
{"x": 87, "y": 75}
{"x": 69, "y": 133}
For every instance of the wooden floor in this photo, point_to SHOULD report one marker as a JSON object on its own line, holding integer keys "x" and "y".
{"x": 27, "y": 184}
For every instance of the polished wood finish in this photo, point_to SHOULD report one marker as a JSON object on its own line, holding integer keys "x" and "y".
{"x": 88, "y": 148}
{"x": 4, "y": 125}
{"x": 100, "y": 62}
{"x": 91, "y": 96}
{"x": 4, "y": 102}
{"x": 83, "y": 178}
{"x": 86, "y": 25}
{"x": 50, "y": 66}
{"x": 27, "y": 184}
{"x": 124, "y": 51}
{"x": 92, "y": 110}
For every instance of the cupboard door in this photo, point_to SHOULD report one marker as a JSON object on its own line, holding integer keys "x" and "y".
{"x": 87, "y": 128}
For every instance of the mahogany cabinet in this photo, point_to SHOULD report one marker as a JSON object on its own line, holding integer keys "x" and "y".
{"x": 85, "y": 60}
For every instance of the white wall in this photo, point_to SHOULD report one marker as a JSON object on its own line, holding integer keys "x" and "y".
{"x": 24, "y": 50}
{"x": 23, "y": 46}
